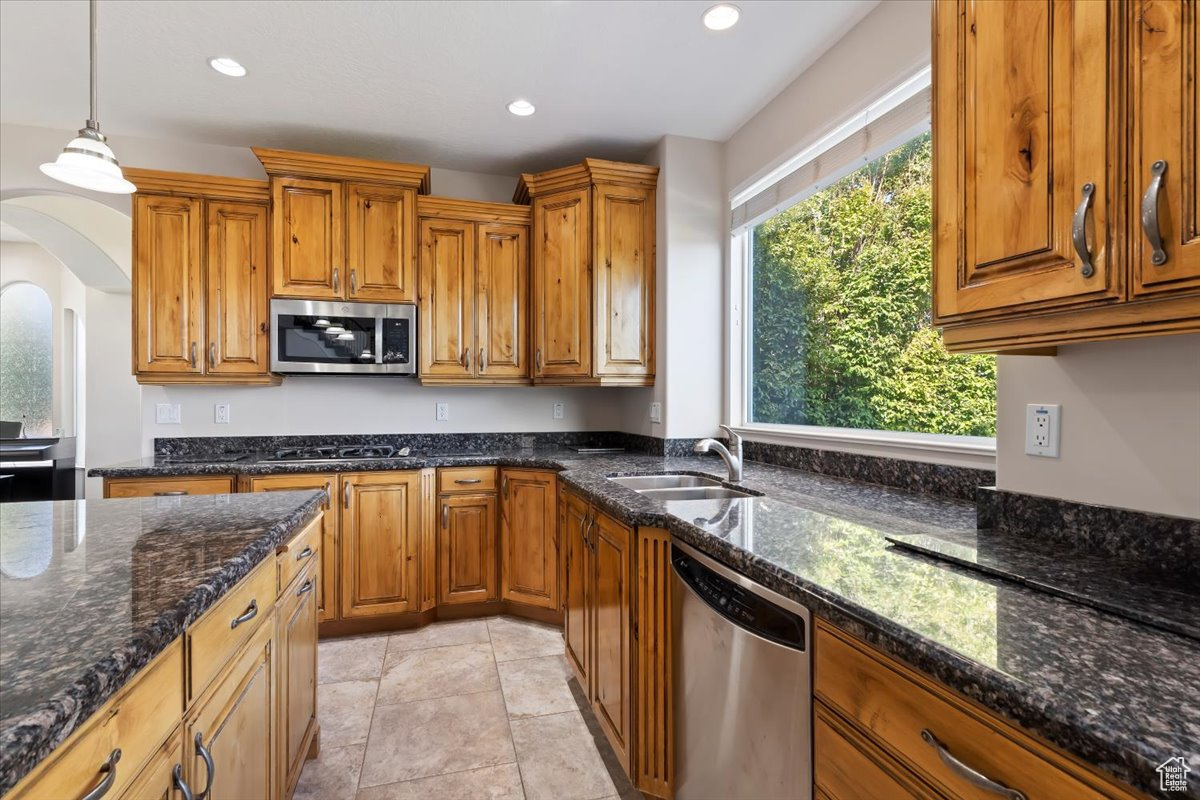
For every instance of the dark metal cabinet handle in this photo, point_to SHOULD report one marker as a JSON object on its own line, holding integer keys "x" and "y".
{"x": 592, "y": 532}
{"x": 193, "y": 355}
{"x": 346, "y": 496}
{"x": 467, "y": 481}
{"x": 212, "y": 354}
{"x": 305, "y": 553}
{"x": 482, "y": 360}
{"x": 467, "y": 358}
{"x": 209, "y": 766}
{"x": 180, "y": 783}
{"x": 109, "y": 770}
{"x": 1079, "y": 231}
{"x": 250, "y": 613}
{"x": 583, "y": 532}
{"x": 353, "y": 281}
{"x": 328, "y": 493}
{"x": 972, "y": 776}
{"x": 306, "y": 587}
{"x": 336, "y": 282}
{"x": 177, "y": 493}
{"x": 504, "y": 486}
{"x": 1158, "y": 172}
{"x": 537, "y": 359}
{"x": 445, "y": 516}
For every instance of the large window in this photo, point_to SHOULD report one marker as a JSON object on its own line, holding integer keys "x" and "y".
{"x": 839, "y": 318}
{"x": 27, "y": 358}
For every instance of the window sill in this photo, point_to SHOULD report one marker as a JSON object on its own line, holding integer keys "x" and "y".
{"x": 977, "y": 452}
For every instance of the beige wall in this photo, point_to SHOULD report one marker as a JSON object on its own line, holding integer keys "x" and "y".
{"x": 1130, "y": 432}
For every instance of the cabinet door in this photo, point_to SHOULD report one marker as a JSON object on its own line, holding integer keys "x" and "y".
{"x": 562, "y": 312}
{"x": 381, "y": 254}
{"x": 168, "y": 285}
{"x": 467, "y": 549}
{"x": 502, "y": 301}
{"x": 234, "y": 721}
{"x": 528, "y": 536}
{"x": 447, "y": 313}
{"x": 380, "y": 519}
{"x": 296, "y": 699}
{"x": 612, "y": 549}
{"x": 623, "y": 241}
{"x": 236, "y": 290}
{"x": 157, "y": 779}
{"x": 577, "y": 622}
{"x": 327, "y": 586}
{"x": 308, "y": 224}
{"x": 1166, "y": 102}
{"x": 1025, "y": 121}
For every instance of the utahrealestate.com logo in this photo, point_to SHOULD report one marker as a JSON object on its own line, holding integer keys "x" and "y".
{"x": 1172, "y": 774}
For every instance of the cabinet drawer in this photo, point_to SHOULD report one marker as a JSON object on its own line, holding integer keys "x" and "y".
{"x": 467, "y": 479}
{"x": 136, "y": 721}
{"x": 846, "y": 766}
{"x": 216, "y": 636}
{"x": 298, "y": 553}
{"x": 895, "y": 705}
{"x": 156, "y": 781}
{"x": 166, "y": 487}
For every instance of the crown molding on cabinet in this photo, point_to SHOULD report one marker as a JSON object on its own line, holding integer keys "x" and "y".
{"x": 315, "y": 165}
{"x": 430, "y": 206}
{"x": 577, "y": 176}
{"x": 191, "y": 184}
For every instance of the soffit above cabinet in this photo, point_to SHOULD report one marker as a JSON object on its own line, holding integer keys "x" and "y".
{"x": 314, "y": 165}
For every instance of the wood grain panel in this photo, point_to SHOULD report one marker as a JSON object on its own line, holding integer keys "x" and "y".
{"x": 561, "y": 306}
{"x": 168, "y": 285}
{"x": 213, "y": 639}
{"x": 848, "y": 766}
{"x": 529, "y": 537}
{"x": 447, "y": 301}
{"x": 428, "y": 539}
{"x": 623, "y": 241}
{"x": 380, "y": 520}
{"x": 381, "y": 235}
{"x": 466, "y": 479}
{"x": 577, "y": 622}
{"x": 151, "y": 487}
{"x": 308, "y": 232}
{"x": 296, "y": 701}
{"x": 502, "y": 302}
{"x": 612, "y": 695}
{"x": 156, "y": 780}
{"x": 237, "y": 289}
{"x": 467, "y": 548}
{"x": 654, "y": 715}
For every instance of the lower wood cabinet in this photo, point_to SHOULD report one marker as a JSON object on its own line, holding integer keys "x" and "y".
{"x": 467, "y": 548}
{"x": 296, "y": 701}
{"x": 577, "y": 589}
{"x": 162, "y": 775}
{"x": 167, "y": 487}
{"x": 529, "y": 537}
{"x": 380, "y": 522}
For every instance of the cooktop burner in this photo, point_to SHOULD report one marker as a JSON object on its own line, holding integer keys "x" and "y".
{"x": 347, "y": 453}
{"x": 219, "y": 458}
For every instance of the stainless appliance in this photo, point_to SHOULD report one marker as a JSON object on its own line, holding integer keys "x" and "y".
{"x": 743, "y": 686}
{"x": 324, "y": 337}
{"x": 363, "y": 452}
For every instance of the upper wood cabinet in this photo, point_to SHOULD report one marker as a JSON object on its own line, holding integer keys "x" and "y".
{"x": 1046, "y": 200}
{"x": 380, "y": 524}
{"x": 529, "y": 537}
{"x": 344, "y": 228}
{"x": 593, "y": 252}
{"x": 474, "y": 278}
{"x": 200, "y": 279}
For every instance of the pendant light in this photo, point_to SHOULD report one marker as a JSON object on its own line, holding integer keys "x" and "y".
{"x": 87, "y": 161}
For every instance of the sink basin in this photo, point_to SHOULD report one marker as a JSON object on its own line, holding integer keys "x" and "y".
{"x": 643, "y": 483}
{"x": 694, "y": 493}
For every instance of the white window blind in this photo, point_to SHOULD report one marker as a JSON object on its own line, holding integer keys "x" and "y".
{"x": 894, "y": 119}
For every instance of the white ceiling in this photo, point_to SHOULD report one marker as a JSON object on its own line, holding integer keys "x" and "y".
{"x": 421, "y": 81}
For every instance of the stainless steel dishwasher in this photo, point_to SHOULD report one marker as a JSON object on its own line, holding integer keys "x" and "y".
{"x": 743, "y": 686}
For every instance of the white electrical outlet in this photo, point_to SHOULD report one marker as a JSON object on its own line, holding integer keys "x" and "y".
{"x": 443, "y": 412}
{"x": 656, "y": 412}
{"x": 1041, "y": 430}
{"x": 167, "y": 414}
{"x": 221, "y": 413}
{"x": 558, "y": 410}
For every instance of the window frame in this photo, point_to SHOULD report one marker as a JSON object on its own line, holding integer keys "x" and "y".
{"x": 968, "y": 451}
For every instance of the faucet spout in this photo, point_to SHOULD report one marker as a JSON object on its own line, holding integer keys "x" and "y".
{"x": 732, "y": 455}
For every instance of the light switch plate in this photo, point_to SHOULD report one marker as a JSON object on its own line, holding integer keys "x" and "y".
{"x": 656, "y": 412}
{"x": 1041, "y": 430}
{"x": 167, "y": 414}
{"x": 558, "y": 410}
{"x": 442, "y": 412}
{"x": 221, "y": 413}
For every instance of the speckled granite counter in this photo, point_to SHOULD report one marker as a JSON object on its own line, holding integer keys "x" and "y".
{"x": 91, "y": 591}
{"x": 1121, "y": 695}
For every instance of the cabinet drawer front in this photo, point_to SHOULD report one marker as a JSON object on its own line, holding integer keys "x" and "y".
{"x": 303, "y": 549}
{"x": 137, "y": 722}
{"x": 166, "y": 487}
{"x": 214, "y": 638}
{"x": 156, "y": 781}
{"x": 895, "y": 705}
{"x": 848, "y": 767}
{"x": 467, "y": 479}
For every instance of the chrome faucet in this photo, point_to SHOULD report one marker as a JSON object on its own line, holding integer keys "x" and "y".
{"x": 733, "y": 460}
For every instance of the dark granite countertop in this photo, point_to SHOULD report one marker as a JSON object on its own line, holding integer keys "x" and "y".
{"x": 1121, "y": 695}
{"x": 92, "y": 590}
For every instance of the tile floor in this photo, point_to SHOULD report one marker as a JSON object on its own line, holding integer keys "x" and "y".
{"x": 455, "y": 711}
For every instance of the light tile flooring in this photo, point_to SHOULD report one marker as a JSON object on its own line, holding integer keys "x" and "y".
{"x": 454, "y": 711}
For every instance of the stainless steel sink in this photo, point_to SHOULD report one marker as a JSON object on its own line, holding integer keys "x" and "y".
{"x": 694, "y": 493}
{"x": 642, "y": 483}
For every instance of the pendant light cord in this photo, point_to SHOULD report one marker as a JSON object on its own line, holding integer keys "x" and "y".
{"x": 92, "y": 123}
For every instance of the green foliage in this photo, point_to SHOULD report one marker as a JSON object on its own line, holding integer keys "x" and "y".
{"x": 842, "y": 316}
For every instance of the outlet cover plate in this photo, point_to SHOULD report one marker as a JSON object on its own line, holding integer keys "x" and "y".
{"x": 1041, "y": 430}
{"x": 656, "y": 412}
{"x": 442, "y": 412}
{"x": 167, "y": 414}
{"x": 221, "y": 413}
{"x": 558, "y": 410}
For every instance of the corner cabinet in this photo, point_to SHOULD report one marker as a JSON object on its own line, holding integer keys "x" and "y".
{"x": 593, "y": 256}
{"x": 529, "y": 537}
{"x": 200, "y": 279}
{"x": 343, "y": 228}
{"x": 474, "y": 292}
{"x": 1048, "y": 122}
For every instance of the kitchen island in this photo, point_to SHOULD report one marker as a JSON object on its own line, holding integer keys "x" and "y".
{"x": 95, "y": 593}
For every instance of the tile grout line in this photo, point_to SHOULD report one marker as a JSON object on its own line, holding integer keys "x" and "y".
{"x": 508, "y": 717}
{"x": 374, "y": 705}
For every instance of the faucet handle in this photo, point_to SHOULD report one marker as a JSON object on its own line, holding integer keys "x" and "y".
{"x": 735, "y": 441}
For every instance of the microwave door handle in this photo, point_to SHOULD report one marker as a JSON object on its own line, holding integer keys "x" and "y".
{"x": 379, "y": 321}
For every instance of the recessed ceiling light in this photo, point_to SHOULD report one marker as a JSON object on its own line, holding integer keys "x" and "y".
{"x": 522, "y": 108}
{"x": 721, "y": 17}
{"x": 227, "y": 66}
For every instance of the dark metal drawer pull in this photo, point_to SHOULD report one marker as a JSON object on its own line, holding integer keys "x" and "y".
{"x": 202, "y": 751}
{"x": 109, "y": 770}
{"x": 468, "y": 480}
{"x": 1079, "y": 231}
{"x": 1158, "y": 171}
{"x": 305, "y": 553}
{"x": 306, "y": 587}
{"x": 177, "y": 493}
{"x": 180, "y": 783}
{"x": 251, "y": 613}
{"x": 972, "y": 776}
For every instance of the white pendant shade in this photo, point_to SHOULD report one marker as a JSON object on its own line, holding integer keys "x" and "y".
{"x": 89, "y": 164}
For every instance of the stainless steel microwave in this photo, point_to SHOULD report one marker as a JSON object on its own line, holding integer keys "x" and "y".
{"x": 336, "y": 338}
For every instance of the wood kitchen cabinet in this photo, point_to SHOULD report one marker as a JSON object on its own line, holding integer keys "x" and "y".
{"x": 1049, "y": 119}
{"x": 200, "y": 281}
{"x": 467, "y": 549}
{"x": 577, "y": 591}
{"x": 296, "y": 698}
{"x": 593, "y": 251}
{"x": 167, "y": 487}
{"x": 343, "y": 228}
{"x": 380, "y": 522}
{"x": 474, "y": 278}
{"x": 157, "y": 779}
{"x": 529, "y": 537}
